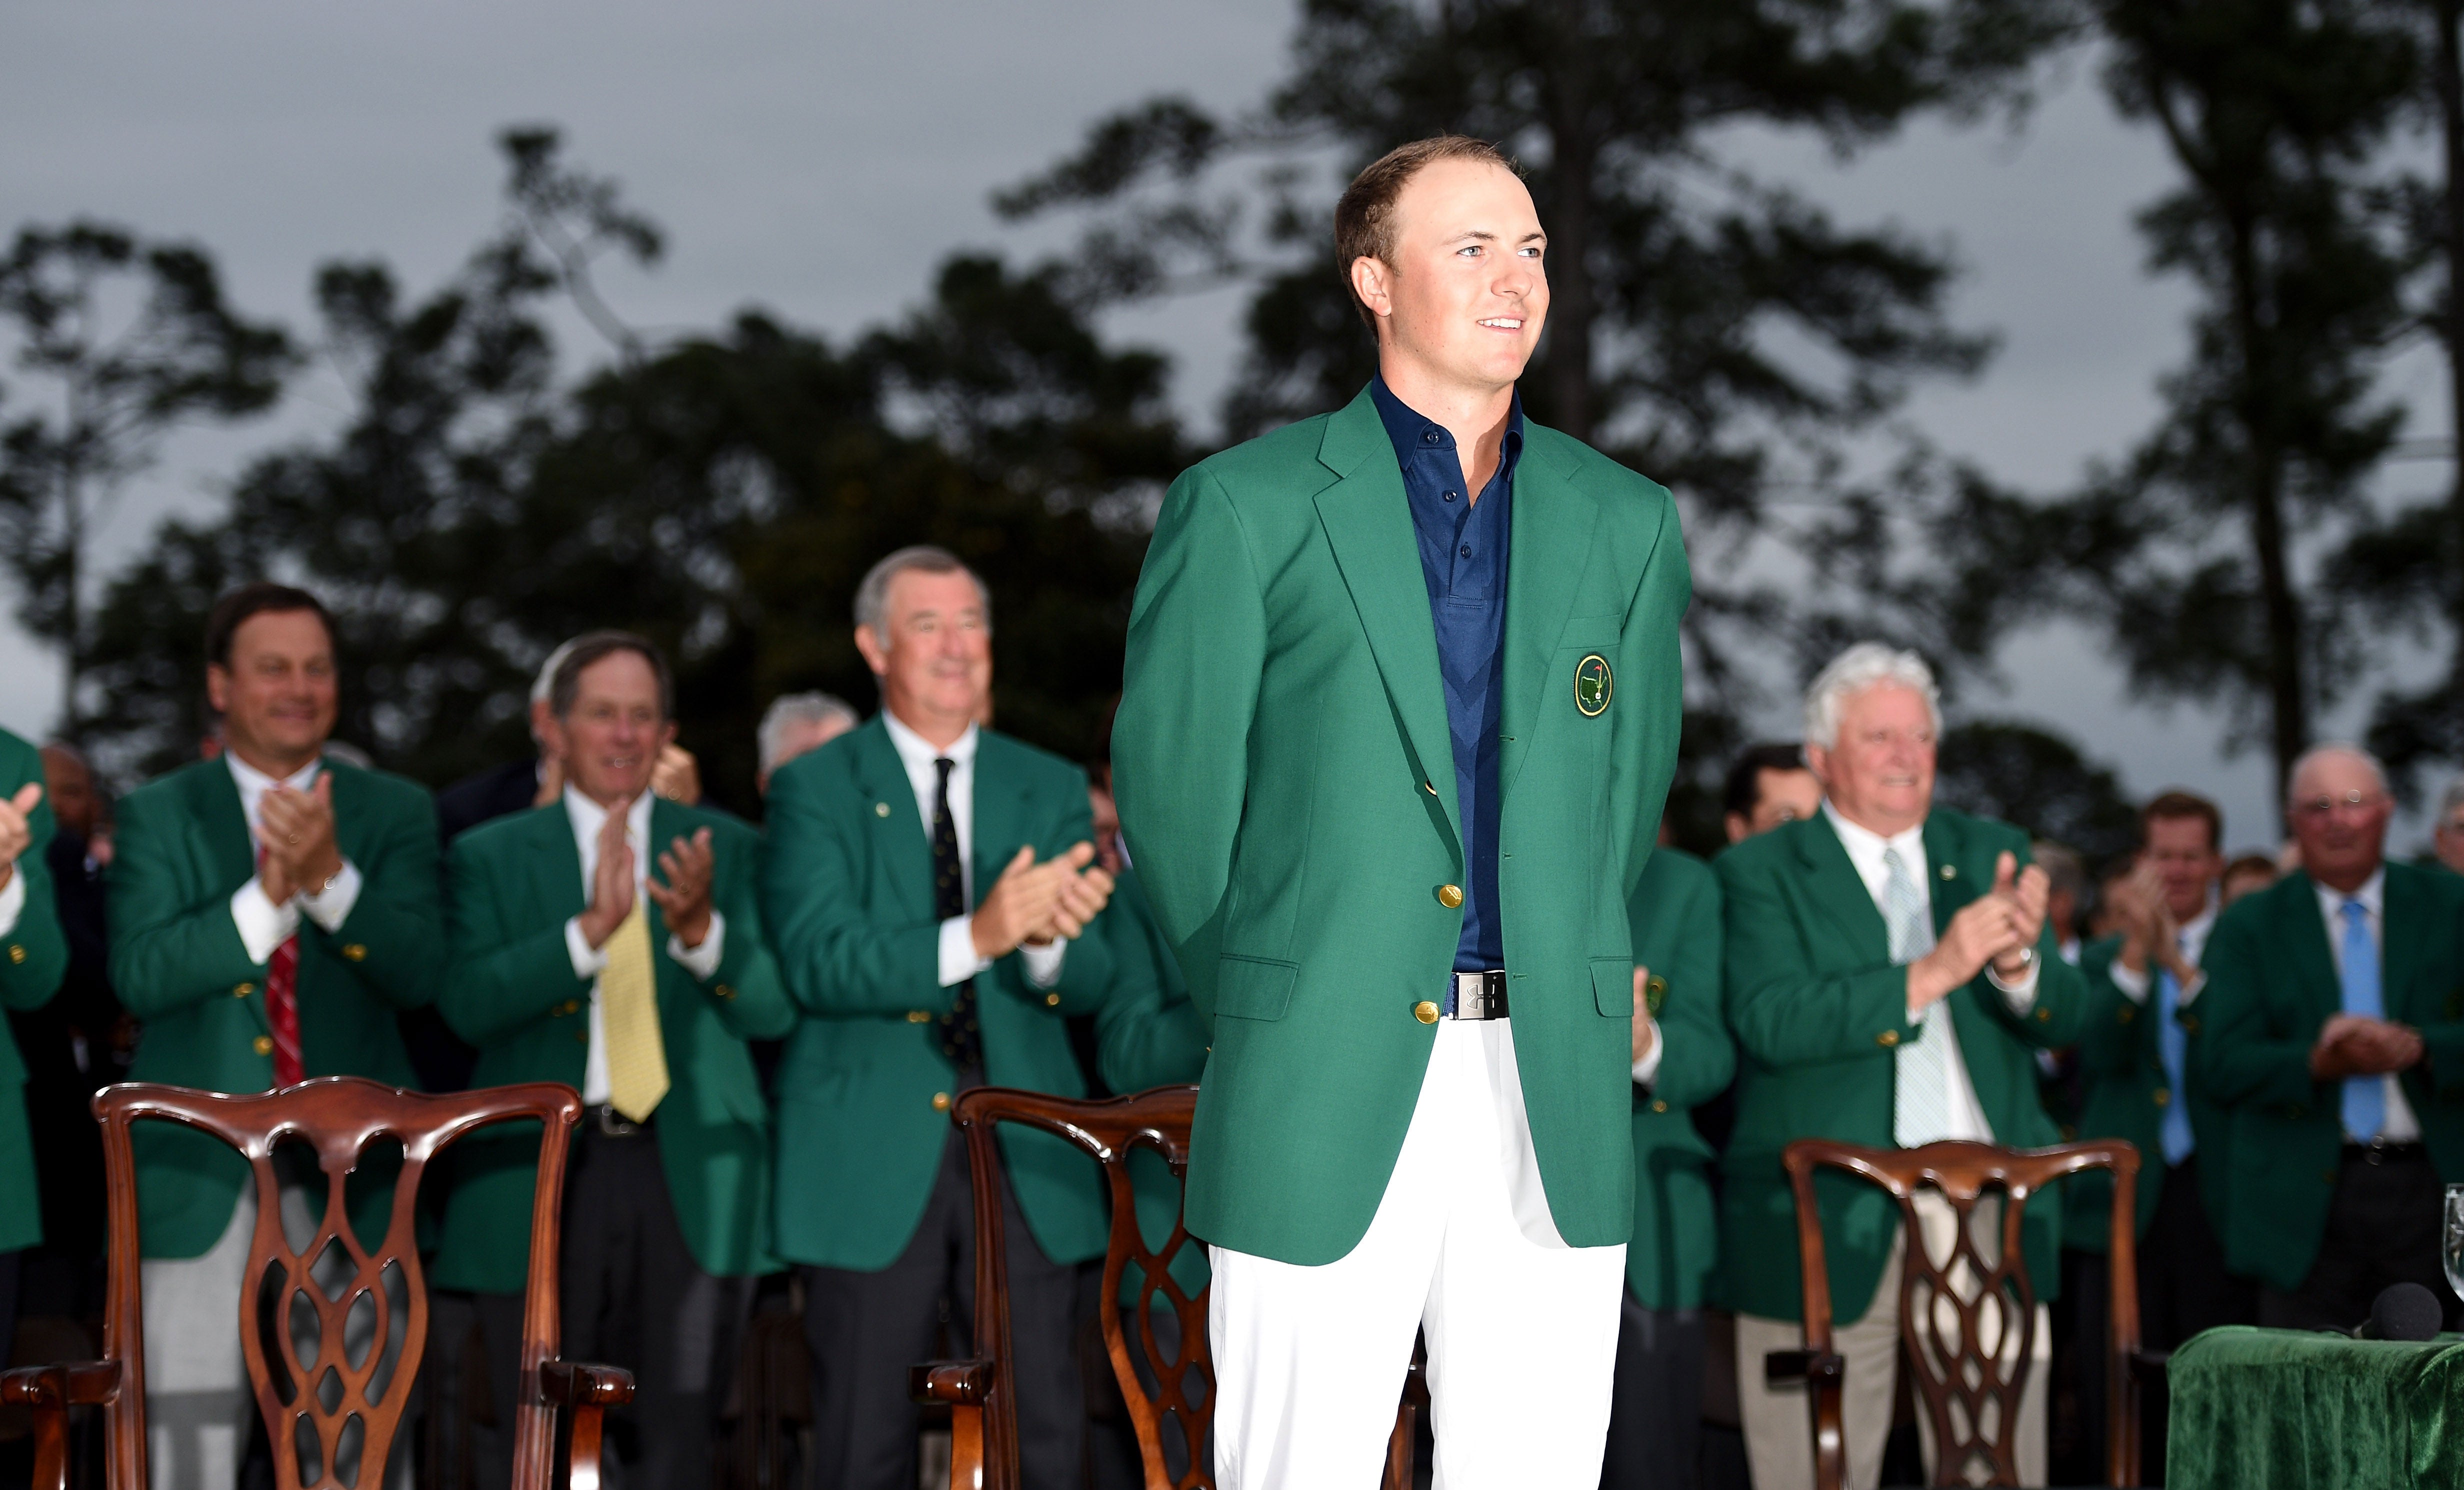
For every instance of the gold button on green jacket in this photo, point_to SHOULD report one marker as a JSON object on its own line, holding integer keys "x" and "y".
{"x": 1284, "y": 775}
{"x": 34, "y": 956}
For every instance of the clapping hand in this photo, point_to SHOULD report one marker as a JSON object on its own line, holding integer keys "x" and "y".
{"x": 1996, "y": 928}
{"x": 2355, "y": 1045}
{"x": 684, "y": 900}
{"x": 1084, "y": 890}
{"x": 611, "y": 883}
{"x": 1031, "y": 903}
{"x": 16, "y": 832}
{"x": 2028, "y": 891}
{"x": 1647, "y": 1029}
{"x": 297, "y": 831}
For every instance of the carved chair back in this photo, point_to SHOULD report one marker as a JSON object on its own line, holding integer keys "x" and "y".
{"x": 1967, "y": 1321}
{"x": 333, "y": 1330}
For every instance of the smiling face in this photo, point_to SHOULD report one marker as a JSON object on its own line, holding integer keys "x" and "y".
{"x": 2339, "y": 809}
{"x": 611, "y": 736}
{"x": 1880, "y": 770}
{"x": 277, "y": 696}
{"x": 1460, "y": 302}
{"x": 2186, "y": 860}
{"x": 934, "y": 654}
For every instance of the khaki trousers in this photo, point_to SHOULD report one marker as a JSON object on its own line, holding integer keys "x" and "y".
{"x": 1778, "y": 1420}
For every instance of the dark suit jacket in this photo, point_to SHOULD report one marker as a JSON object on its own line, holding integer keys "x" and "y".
{"x": 497, "y": 792}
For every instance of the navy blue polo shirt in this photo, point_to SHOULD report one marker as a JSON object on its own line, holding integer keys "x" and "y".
{"x": 1463, "y": 556}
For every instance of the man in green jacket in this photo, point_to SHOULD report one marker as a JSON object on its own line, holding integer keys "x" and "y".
{"x": 272, "y": 912}
{"x": 573, "y": 962}
{"x": 2332, "y": 1031}
{"x": 1682, "y": 1058}
{"x": 1399, "y": 715}
{"x": 1890, "y": 968}
{"x": 34, "y": 956}
{"x": 926, "y": 884}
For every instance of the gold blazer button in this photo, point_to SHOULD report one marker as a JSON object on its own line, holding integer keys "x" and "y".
{"x": 1052, "y": 1000}
{"x": 940, "y": 1102}
{"x": 243, "y": 990}
{"x": 16, "y": 953}
{"x": 1887, "y": 1039}
{"x": 264, "y": 1044}
{"x": 1450, "y": 896}
{"x": 2163, "y": 1098}
{"x": 1425, "y": 1011}
{"x": 356, "y": 953}
{"x": 918, "y": 1017}
{"x": 1658, "y": 1104}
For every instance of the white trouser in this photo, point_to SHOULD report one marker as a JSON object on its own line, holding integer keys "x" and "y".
{"x": 1522, "y": 1329}
{"x": 198, "y": 1404}
{"x": 1778, "y": 1421}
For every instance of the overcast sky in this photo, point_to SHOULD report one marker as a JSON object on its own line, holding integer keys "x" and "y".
{"x": 819, "y": 158}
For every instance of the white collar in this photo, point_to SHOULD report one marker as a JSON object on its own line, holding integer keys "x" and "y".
{"x": 589, "y": 816}
{"x": 1864, "y": 842}
{"x": 2372, "y": 895}
{"x": 918, "y": 753}
{"x": 251, "y": 780}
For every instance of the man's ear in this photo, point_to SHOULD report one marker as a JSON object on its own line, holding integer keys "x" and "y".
{"x": 217, "y": 687}
{"x": 876, "y": 656}
{"x": 1372, "y": 279}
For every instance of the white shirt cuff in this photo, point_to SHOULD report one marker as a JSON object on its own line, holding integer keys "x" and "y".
{"x": 333, "y": 907}
{"x": 12, "y": 902}
{"x": 1043, "y": 963}
{"x": 589, "y": 961}
{"x": 1647, "y": 1069}
{"x": 2134, "y": 982}
{"x": 958, "y": 959}
{"x": 263, "y": 926}
{"x": 703, "y": 960}
{"x": 2020, "y": 996}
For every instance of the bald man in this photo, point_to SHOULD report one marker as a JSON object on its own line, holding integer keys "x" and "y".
{"x": 2331, "y": 1026}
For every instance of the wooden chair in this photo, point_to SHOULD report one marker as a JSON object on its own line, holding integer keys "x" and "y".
{"x": 983, "y": 1417}
{"x": 1956, "y": 1382}
{"x": 309, "y": 1403}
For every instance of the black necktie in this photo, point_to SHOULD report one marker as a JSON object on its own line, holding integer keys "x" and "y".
{"x": 960, "y": 1040}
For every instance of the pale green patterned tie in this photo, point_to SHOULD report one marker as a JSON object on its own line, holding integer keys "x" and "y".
{"x": 1921, "y": 1106}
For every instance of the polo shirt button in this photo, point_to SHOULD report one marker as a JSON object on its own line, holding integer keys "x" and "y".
{"x": 1887, "y": 1039}
{"x": 1430, "y": 437}
{"x": 264, "y": 1044}
{"x": 1450, "y": 896}
{"x": 940, "y": 1102}
{"x": 1467, "y": 551}
{"x": 1052, "y": 1000}
{"x": 1425, "y": 1010}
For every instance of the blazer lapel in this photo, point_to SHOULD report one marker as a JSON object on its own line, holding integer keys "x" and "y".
{"x": 1554, "y": 522}
{"x": 557, "y": 861}
{"x": 1834, "y": 887}
{"x": 1368, "y": 523}
{"x": 1951, "y": 888}
{"x": 1001, "y": 826}
{"x": 2305, "y": 931}
{"x": 215, "y": 807}
{"x": 898, "y": 833}
{"x": 2404, "y": 924}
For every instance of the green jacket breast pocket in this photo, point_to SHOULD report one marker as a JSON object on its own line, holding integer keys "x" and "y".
{"x": 1254, "y": 988}
{"x": 1612, "y": 987}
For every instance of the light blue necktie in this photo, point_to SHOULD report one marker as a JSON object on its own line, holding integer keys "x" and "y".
{"x": 2365, "y": 1096}
{"x": 2172, "y": 1045}
{"x": 1921, "y": 1098}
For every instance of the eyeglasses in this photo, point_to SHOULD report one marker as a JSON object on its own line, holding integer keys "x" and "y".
{"x": 2353, "y": 804}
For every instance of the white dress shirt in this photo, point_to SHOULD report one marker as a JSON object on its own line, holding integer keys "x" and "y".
{"x": 958, "y": 961}
{"x": 1865, "y": 849}
{"x": 264, "y": 925}
{"x": 2401, "y": 1127}
{"x": 588, "y": 818}
{"x": 12, "y": 902}
{"x": 2134, "y": 982}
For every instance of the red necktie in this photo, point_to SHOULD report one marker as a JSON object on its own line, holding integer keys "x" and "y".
{"x": 282, "y": 1005}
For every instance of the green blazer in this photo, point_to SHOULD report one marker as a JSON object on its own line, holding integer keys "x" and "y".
{"x": 864, "y": 1090}
{"x": 1818, "y": 1010}
{"x": 33, "y": 955}
{"x": 178, "y": 964}
{"x": 1675, "y": 913}
{"x": 512, "y": 994}
{"x": 2126, "y": 1095}
{"x": 1285, "y": 777}
{"x": 2271, "y": 983}
{"x": 1147, "y": 1034}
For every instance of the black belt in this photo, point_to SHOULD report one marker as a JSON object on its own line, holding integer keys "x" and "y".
{"x": 1480, "y": 996}
{"x": 2379, "y": 1150}
{"x": 607, "y": 1121}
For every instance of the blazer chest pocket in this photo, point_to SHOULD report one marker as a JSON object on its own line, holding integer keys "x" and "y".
{"x": 1254, "y": 988}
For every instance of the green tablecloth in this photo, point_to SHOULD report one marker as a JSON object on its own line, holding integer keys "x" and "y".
{"x": 2279, "y": 1408}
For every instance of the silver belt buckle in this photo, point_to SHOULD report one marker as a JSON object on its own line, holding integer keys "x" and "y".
{"x": 1480, "y": 996}
{"x": 614, "y": 1124}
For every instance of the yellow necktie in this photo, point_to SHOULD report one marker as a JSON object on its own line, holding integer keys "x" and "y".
{"x": 628, "y": 1012}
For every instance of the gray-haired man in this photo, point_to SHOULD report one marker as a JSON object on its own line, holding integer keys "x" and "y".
{"x": 1889, "y": 967}
{"x": 795, "y": 723}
